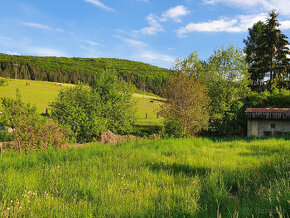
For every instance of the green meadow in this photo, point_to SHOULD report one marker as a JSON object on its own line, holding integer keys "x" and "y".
{"x": 193, "y": 177}
{"x": 41, "y": 93}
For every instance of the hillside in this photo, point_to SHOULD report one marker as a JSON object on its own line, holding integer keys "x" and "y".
{"x": 41, "y": 93}
{"x": 191, "y": 177}
{"x": 72, "y": 70}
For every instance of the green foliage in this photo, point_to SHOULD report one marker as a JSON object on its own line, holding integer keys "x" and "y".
{"x": 89, "y": 110}
{"x": 187, "y": 103}
{"x": 85, "y": 70}
{"x": 172, "y": 128}
{"x": 5, "y": 136}
{"x": 79, "y": 108}
{"x": 3, "y": 82}
{"x": 30, "y": 131}
{"x": 267, "y": 51}
{"x": 275, "y": 99}
{"x": 192, "y": 177}
{"x": 226, "y": 79}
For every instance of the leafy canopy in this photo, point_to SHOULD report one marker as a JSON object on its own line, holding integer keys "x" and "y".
{"x": 187, "y": 103}
{"x": 88, "y": 110}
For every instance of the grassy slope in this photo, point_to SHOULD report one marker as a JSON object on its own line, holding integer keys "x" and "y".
{"x": 40, "y": 93}
{"x": 176, "y": 177}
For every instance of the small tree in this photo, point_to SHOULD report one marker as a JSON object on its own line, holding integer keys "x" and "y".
{"x": 186, "y": 103}
{"x": 88, "y": 110}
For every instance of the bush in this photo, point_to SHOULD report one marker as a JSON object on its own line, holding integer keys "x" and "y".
{"x": 173, "y": 128}
{"x": 79, "y": 108}
{"x": 3, "y": 82}
{"x": 274, "y": 99}
{"x": 89, "y": 110}
{"x": 5, "y": 136}
{"x": 31, "y": 131}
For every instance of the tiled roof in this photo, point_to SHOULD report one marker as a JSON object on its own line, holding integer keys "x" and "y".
{"x": 268, "y": 110}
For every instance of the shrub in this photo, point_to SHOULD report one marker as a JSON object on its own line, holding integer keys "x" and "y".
{"x": 88, "y": 110}
{"x": 5, "y": 136}
{"x": 30, "y": 131}
{"x": 173, "y": 128}
{"x": 3, "y": 82}
{"x": 80, "y": 109}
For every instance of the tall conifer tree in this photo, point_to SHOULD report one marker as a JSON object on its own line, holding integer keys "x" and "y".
{"x": 267, "y": 51}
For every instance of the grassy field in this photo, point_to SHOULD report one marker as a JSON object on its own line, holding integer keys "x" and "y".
{"x": 40, "y": 93}
{"x": 192, "y": 177}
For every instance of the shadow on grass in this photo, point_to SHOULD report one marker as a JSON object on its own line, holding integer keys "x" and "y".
{"x": 255, "y": 154}
{"x": 145, "y": 130}
{"x": 179, "y": 169}
{"x": 247, "y": 139}
{"x": 157, "y": 100}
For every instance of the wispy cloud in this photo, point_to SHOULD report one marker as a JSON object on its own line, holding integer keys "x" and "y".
{"x": 11, "y": 52}
{"x": 5, "y": 38}
{"x": 174, "y": 13}
{"x": 153, "y": 28}
{"x": 132, "y": 42}
{"x": 41, "y": 26}
{"x": 154, "y": 56}
{"x": 285, "y": 25}
{"x": 146, "y": 1}
{"x": 237, "y": 24}
{"x": 44, "y": 51}
{"x": 283, "y": 6}
{"x": 90, "y": 42}
{"x": 154, "y": 21}
{"x": 99, "y": 4}
{"x": 142, "y": 51}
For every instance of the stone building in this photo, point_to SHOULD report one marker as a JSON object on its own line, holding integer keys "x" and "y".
{"x": 268, "y": 121}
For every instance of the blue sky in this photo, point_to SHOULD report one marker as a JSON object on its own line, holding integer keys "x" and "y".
{"x": 151, "y": 31}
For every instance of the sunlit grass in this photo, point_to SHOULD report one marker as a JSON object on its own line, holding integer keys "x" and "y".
{"x": 195, "y": 177}
{"x": 41, "y": 93}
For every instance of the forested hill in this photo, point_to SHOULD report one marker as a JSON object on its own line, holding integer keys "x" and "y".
{"x": 72, "y": 70}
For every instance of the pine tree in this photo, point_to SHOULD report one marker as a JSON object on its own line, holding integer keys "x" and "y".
{"x": 254, "y": 55}
{"x": 266, "y": 51}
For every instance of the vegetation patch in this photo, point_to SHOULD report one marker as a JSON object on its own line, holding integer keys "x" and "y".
{"x": 193, "y": 177}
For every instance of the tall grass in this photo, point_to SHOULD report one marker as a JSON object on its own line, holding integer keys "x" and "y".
{"x": 195, "y": 177}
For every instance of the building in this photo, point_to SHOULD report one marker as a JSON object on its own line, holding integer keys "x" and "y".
{"x": 268, "y": 121}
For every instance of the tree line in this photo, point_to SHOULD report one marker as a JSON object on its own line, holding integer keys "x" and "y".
{"x": 74, "y": 70}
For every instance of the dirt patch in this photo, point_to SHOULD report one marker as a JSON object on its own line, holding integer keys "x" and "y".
{"x": 109, "y": 137}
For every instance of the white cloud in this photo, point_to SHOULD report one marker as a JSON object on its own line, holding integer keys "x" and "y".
{"x": 285, "y": 25}
{"x": 141, "y": 51}
{"x": 174, "y": 13}
{"x": 132, "y": 42}
{"x": 5, "y": 38}
{"x": 153, "y": 28}
{"x": 90, "y": 42}
{"x": 146, "y": 1}
{"x": 99, "y": 4}
{"x": 153, "y": 56}
{"x": 154, "y": 21}
{"x": 282, "y": 6}
{"x": 11, "y": 52}
{"x": 41, "y": 26}
{"x": 43, "y": 51}
{"x": 238, "y": 24}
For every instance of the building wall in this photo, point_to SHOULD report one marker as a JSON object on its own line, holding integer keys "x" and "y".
{"x": 259, "y": 127}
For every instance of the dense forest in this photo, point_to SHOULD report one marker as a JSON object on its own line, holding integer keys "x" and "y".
{"x": 74, "y": 70}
